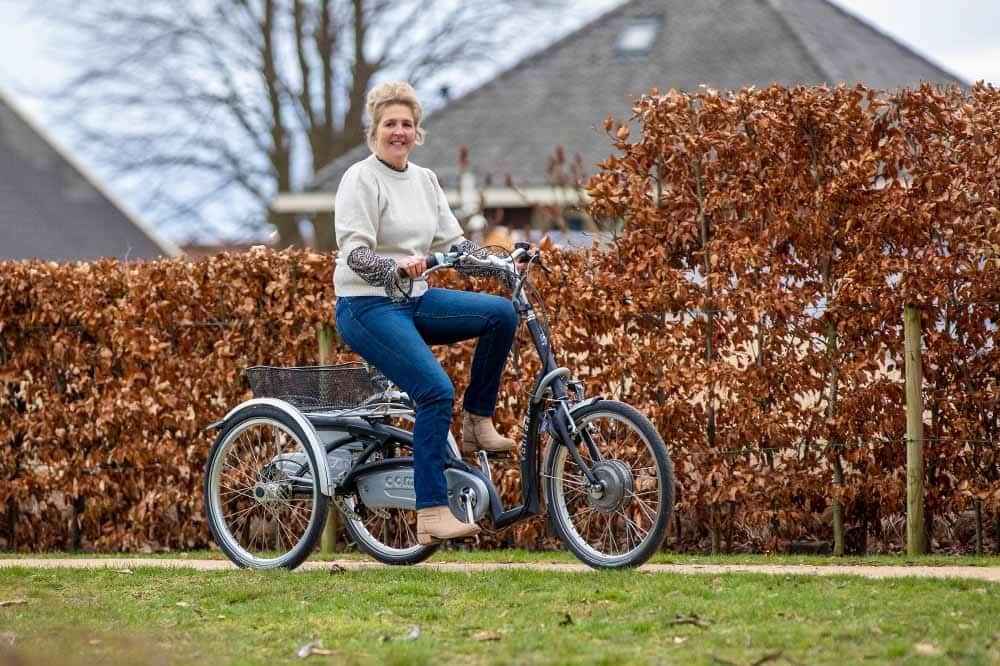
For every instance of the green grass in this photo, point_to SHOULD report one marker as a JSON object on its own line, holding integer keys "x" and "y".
{"x": 497, "y": 617}
{"x": 513, "y": 555}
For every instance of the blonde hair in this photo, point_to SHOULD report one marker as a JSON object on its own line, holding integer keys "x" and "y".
{"x": 387, "y": 94}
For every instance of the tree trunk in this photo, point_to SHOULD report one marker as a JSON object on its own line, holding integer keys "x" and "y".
{"x": 713, "y": 515}
{"x": 288, "y": 229}
{"x": 323, "y": 236}
{"x": 838, "y": 509}
{"x": 915, "y": 534}
{"x": 12, "y": 524}
{"x": 75, "y": 530}
{"x": 863, "y": 545}
{"x": 978, "y": 503}
{"x": 730, "y": 526}
{"x": 996, "y": 534}
{"x": 831, "y": 411}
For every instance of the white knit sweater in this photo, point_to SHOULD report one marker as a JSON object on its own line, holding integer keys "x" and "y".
{"x": 393, "y": 214}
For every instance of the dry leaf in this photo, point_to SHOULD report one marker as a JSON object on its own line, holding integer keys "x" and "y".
{"x": 486, "y": 636}
{"x": 12, "y": 602}
{"x": 927, "y": 649}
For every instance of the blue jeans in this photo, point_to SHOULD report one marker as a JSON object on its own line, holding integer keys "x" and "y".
{"x": 394, "y": 337}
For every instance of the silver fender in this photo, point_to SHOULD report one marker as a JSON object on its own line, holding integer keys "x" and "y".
{"x": 312, "y": 439}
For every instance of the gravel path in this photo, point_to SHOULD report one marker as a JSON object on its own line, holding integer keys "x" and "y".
{"x": 991, "y": 574}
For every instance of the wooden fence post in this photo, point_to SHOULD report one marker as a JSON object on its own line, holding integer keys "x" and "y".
{"x": 328, "y": 541}
{"x": 915, "y": 538}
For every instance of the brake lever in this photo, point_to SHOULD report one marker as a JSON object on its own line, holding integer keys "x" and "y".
{"x": 537, "y": 260}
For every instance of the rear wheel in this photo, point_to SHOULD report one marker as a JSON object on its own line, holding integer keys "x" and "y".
{"x": 621, "y": 520}
{"x": 262, "y": 497}
{"x": 389, "y": 535}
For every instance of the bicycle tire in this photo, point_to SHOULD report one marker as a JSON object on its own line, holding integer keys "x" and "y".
{"x": 626, "y": 501}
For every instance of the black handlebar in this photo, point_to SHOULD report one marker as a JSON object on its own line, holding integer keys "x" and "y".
{"x": 430, "y": 261}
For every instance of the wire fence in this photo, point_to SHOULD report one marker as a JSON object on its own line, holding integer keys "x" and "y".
{"x": 224, "y": 322}
{"x": 676, "y": 451}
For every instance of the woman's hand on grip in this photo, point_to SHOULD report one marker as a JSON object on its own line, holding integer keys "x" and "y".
{"x": 414, "y": 267}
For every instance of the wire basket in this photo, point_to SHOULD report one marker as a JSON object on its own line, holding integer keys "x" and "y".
{"x": 318, "y": 387}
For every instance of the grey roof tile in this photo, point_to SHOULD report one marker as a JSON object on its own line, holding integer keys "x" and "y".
{"x": 561, "y": 95}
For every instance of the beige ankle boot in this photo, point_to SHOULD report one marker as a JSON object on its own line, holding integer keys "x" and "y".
{"x": 437, "y": 523}
{"x": 478, "y": 432}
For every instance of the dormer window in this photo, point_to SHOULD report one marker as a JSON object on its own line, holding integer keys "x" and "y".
{"x": 638, "y": 36}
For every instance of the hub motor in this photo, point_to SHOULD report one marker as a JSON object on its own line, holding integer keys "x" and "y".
{"x": 617, "y": 486}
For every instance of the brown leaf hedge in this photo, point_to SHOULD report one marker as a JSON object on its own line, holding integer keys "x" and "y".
{"x": 752, "y": 308}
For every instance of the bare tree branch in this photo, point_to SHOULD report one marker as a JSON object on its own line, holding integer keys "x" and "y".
{"x": 249, "y": 98}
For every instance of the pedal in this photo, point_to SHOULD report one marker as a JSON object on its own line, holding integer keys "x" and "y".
{"x": 499, "y": 455}
{"x": 477, "y": 457}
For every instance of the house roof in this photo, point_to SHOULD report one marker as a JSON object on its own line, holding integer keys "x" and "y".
{"x": 53, "y": 208}
{"x": 562, "y": 94}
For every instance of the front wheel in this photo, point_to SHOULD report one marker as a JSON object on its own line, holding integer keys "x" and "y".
{"x": 621, "y": 520}
{"x": 262, "y": 497}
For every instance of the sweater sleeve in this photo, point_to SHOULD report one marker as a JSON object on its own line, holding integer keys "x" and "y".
{"x": 356, "y": 226}
{"x": 357, "y": 211}
{"x": 377, "y": 271}
{"x": 449, "y": 231}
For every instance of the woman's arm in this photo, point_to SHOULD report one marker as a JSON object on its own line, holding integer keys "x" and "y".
{"x": 377, "y": 271}
{"x": 356, "y": 226}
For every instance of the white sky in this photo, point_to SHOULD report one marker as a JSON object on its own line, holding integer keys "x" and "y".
{"x": 962, "y": 36}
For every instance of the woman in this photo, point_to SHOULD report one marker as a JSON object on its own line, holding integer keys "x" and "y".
{"x": 390, "y": 214}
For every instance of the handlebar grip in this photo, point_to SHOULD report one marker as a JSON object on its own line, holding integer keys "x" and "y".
{"x": 431, "y": 261}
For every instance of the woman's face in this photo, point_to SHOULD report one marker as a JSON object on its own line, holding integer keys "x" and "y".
{"x": 395, "y": 134}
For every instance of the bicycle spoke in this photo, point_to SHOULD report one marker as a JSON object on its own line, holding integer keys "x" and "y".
{"x": 578, "y": 480}
{"x": 242, "y": 472}
{"x": 411, "y": 536}
{"x": 241, "y": 521}
{"x": 649, "y": 513}
{"x": 636, "y": 528}
{"x": 287, "y": 531}
{"x": 242, "y": 512}
{"x": 239, "y": 492}
{"x": 608, "y": 530}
